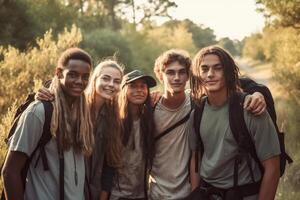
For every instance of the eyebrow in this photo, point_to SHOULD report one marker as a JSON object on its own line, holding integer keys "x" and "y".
{"x": 214, "y": 65}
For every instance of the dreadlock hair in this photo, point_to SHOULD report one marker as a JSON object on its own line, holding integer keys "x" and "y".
{"x": 113, "y": 147}
{"x": 71, "y": 125}
{"x": 171, "y": 56}
{"x": 147, "y": 125}
{"x": 231, "y": 71}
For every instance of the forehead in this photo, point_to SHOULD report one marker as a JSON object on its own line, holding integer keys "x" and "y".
{"x": 175, "y": 66}
{"x": 78, "y": 66}
{"x": 111, "y": 71}
{"x": 210, "y": 59}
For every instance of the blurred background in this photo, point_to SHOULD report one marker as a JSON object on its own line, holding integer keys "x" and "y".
{"x": 262, "y": 35}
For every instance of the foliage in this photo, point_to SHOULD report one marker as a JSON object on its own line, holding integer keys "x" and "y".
{"x": 233, "y": 46}
{"x": 103, "y": 43}
{"x": 253, "y": 47}
{"x": 282, "y": 12}
{"x": 20, "y": 70}
{"x": 22, "y": 21}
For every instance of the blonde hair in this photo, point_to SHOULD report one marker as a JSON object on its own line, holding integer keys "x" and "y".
{"x": 113, "y": 145}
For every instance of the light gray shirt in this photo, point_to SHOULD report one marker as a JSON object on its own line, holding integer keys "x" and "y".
{"x": 170, "y": 172}
{"x": 45, "y": 184}
{"x": 220, "y": 146}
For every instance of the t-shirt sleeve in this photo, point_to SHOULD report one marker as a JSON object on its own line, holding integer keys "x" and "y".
{"x": 264, "y": 134}
{"x": 193, "y": 143}
{"x": 28, "y": 131}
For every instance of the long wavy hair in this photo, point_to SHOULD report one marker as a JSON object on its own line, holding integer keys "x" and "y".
{"x": 113, "y": 147}
{"x": 231, "y": 72}
{"x": 71, "y": 125}
{"x": 147, "y": 125}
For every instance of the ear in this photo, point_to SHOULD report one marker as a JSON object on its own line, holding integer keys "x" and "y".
{"x": 59, "y": 72}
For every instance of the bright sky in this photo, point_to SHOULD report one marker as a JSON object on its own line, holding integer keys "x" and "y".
{"x": 228, "y": 18}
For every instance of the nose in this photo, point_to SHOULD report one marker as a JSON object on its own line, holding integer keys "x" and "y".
{"x": 111, "y": 83}
{"x": 79, "y": 80}
{"x": 176, "y": 76}
{"x": 210, "y": 72}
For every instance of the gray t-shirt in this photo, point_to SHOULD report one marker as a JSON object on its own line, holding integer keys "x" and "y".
{"x": 45, "y": 184}
{"x": 130, "y": 181}
{"x": 220, "y": 146}
{"x": 170, "y": 172}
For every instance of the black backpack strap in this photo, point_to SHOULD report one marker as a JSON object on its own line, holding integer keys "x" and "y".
{"x": 168, "y": 130}
{"x": 198, "y": 112}
{"x": 46, "y": 136}
{"x": 241, "y": 135}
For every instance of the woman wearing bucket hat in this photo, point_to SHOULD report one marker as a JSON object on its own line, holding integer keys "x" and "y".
{"x": 138, "y": 127}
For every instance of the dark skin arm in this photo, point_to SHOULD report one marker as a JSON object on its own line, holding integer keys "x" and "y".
{"x": 11, "y": 175}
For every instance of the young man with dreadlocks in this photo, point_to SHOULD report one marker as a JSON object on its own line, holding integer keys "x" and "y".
{"x": 170, "y": 170}
{"x": 72, "y": 137}
{"x": 226, "y": 171}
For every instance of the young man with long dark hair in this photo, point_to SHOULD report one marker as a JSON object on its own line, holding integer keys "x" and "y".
{"x": 226, "y": 172}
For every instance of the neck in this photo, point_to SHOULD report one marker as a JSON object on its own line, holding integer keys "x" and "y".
{"x": 173, "y": 101}
{"x": 135, "y": 111}
{"x": 70, "y": 101}
{"x": 99, "y": 102}
{"x": 217, "y": 98}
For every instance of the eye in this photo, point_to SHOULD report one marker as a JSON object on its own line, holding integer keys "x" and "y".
{"x": 86, "y": 77}
{"x": 117, "y": 81}
{"x": 72, "y": 75}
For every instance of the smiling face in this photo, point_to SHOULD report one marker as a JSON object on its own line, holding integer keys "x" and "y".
{"x": 137, "y": 92}
{"x": 108, "y": 83}
{"x": 212, "y": 74}
{"x": 74, "y": 77}
{"x": 174, "y": 78}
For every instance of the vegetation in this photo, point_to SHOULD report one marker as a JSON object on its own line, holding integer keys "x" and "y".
{"x": 279, "y": 43}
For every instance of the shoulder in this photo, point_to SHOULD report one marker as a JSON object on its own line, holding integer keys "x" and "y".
{"x": 36, "y": 109}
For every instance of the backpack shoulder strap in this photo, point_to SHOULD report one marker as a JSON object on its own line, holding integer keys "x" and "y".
{"x": 239, "y": 128}
{"x": 198, "y": 112}
{"x": 46, "y": 135}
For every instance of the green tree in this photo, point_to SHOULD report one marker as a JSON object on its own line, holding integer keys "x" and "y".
{"x": 282, "y": 12}
{"x": 102, "y": 43}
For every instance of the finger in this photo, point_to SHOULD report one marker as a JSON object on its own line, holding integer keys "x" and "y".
{"x": 257, "y": 110}
{"x": 261, "y": 111}
{"x": 46, "y": 93}
{"x": 247, "y": 101}
{"x": 253, "y": 104}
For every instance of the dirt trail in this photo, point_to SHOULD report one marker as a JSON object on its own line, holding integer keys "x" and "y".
{"x": 262, "y": 74}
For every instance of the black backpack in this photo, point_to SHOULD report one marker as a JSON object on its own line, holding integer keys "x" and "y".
{"x": 45, "y": 138}
{"x": 239, "y": 128}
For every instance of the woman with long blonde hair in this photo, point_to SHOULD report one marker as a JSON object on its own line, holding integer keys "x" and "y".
{"x": 102, "y": 98}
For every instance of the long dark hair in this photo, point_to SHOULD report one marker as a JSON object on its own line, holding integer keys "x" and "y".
{"x": 231, "y": 71}
{"x": 147, "y": 125}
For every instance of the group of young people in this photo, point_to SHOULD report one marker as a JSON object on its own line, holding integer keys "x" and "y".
{"x": 118, "y": 143}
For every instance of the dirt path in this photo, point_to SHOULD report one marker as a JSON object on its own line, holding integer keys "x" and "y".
{"x": 261, "y": 73}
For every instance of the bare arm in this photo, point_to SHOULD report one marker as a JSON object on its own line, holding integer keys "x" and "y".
{"x": 270, "y": 179}
{"x": 11, "y": 174}
{"x": 194, "y": 176}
